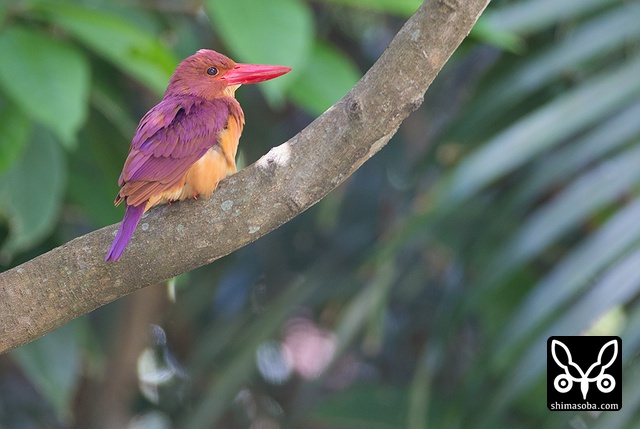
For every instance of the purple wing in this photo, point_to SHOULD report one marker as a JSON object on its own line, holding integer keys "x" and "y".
{"x": 171, "y": 137}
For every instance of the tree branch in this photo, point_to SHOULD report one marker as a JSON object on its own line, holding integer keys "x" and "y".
{"x": 50, "y": 290}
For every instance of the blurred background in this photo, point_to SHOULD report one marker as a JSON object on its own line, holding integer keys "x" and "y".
{"x": 420, "y": 293}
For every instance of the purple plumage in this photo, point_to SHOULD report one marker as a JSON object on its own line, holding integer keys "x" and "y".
{"x": 173, "y": 135}
{"x": 127, "y": 227}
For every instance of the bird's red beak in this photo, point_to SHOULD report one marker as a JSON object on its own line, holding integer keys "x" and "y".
{"x": 253, "y": 73}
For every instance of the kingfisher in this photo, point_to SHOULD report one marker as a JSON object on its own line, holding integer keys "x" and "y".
{"x": 186, "y": 144}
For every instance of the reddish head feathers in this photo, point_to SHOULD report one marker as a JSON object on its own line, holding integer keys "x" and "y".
{"x": 208, "y": 74}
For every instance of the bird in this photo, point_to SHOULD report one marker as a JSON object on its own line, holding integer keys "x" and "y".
{"x": 187, "y": 143}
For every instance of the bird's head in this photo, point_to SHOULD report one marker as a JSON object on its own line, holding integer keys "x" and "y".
{"x": 209, "y": 74}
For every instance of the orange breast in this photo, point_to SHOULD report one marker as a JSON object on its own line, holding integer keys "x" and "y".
{"x": 203, "y": 176}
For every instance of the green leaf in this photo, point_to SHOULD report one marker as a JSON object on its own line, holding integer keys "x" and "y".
{"x": 616, "y": 287}
{"x": 94, "y": 170}
{"x": 526, "y": 17}
{"x": 631, "y": 333}
{"x": 326, "y": 77}
{"x": 540, "y": 130}
{"x": 375, "y": 407}
{"x": 14, "y": 134}
{"x": 399, "y": 7}
{"x": 600, "y": 36}
{"x": 129, "y": 48}
{"x": 274, "y": 32}
{"x": 48, "y": 79}
{"x": 568, "y": 161}
{"x": 572, "y": 273}
{"x": 485, "y": 32}
{"x": 31, "y": 192}
{"x": 365, "y": 306}
{"x": 52, "y": 363}
{"x": 591, "y": 191}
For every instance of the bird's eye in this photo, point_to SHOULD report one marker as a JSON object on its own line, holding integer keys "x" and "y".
{"x": 212, "y": 71}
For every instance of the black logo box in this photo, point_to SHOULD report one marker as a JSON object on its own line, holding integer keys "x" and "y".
{"x": 585, "y": 373}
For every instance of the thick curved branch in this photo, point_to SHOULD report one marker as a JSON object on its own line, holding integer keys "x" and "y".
{"x": 48, "y": 291}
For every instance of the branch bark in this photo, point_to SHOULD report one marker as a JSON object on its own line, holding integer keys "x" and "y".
{"x": 58, "y": 286}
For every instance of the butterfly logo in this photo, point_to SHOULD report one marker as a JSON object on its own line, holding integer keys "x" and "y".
{"x": 564, "y": 382}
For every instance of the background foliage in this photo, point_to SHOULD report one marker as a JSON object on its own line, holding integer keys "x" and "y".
{"x": 418, "y": 294}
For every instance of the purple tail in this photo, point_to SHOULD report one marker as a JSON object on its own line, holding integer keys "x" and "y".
{"x": 131, "y": 218}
